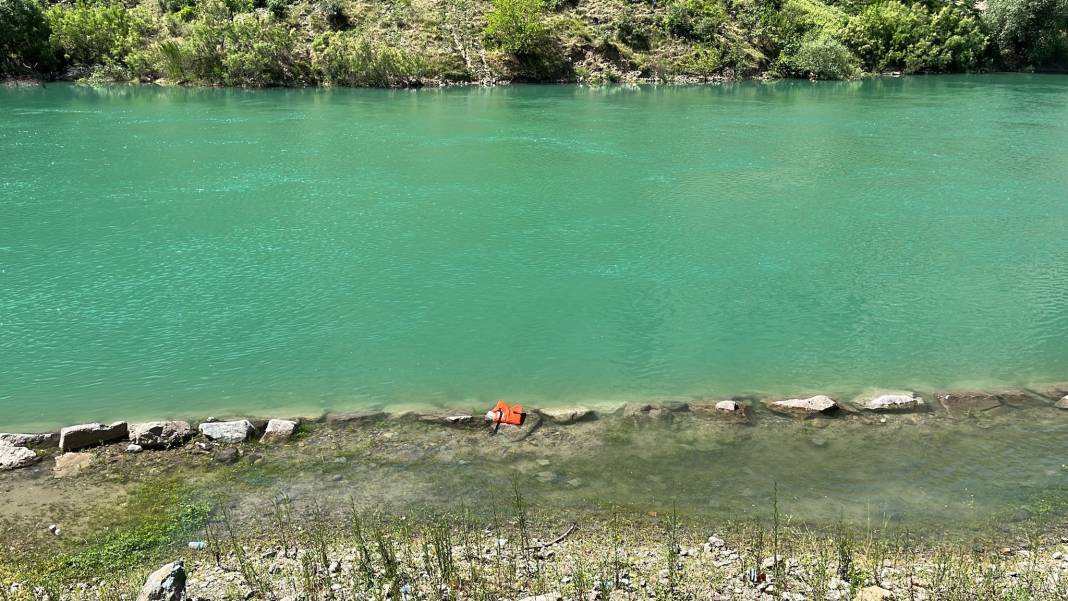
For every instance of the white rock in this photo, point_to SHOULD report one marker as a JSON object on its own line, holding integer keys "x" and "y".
{"x": 134, "y": 448}
{"x": 12, "y": 458}
{"x": 816, "y": 405}
{"x": 893, "y": 403}
{"x": 235, "y": 431}
{"x": 279, "y": 430}
{"x": 45, "y": 440}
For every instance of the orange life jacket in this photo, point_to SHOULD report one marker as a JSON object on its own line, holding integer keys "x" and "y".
{"x": 502, "y": 413}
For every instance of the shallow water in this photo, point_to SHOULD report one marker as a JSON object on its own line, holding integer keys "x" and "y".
{"x": 194, "y": 252}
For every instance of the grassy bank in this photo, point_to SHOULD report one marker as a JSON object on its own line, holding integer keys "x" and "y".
{"x": 417, "y": 42}
{"x": 313, "y": 551}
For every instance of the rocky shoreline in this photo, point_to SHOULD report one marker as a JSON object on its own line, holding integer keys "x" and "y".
{"x": 21, "y": 450}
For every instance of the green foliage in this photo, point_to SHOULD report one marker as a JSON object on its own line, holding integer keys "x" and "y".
{"x": 697, "y": 20}
{"x": 156, "y": 516}
{"x": 823, "y": 57}
{"x": 350, "y": 59}
{"x": 94, "y": 34}
{"x": 894, "y": 35}
{"x": 1030, "y": 32}
{"x": 24, "y": 34}
{"x": 260, "y": 49}
{"x": 517, "y": 27}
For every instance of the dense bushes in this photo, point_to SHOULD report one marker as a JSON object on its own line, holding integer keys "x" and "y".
{"x": 24, "y": 38}
{"x": 399, "y": 42}
{"x": 1030, "y": 32}
{"x": 892, "y": 35}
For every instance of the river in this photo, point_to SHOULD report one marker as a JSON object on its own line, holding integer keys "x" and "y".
{"x": 186, "y": 252}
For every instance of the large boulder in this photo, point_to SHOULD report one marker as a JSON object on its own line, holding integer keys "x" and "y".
{"x": 165, "y": 584}
{"x": 810, "y": 407}
{"x": 235, "y": 431}
{"x": 566, "y": 415}
{"x": 44, "y": 440}
{"x": 12, "y": 458}
{"x": 77, "y": 437}
{"x": 72, "y": 464}
{"x": 279, "y": 430}
{"x": 727, "y": 408}
{"x": 160, "y": 435}
{"x": 892, "y": 402}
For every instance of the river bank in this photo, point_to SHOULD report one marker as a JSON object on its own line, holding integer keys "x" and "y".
{"x": 968, "y": 478}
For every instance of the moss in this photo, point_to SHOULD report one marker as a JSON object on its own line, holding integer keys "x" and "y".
{"x": 156, "y": 517}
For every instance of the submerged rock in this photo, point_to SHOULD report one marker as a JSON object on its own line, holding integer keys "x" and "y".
{"x": 892, "y": 403}
{"x": 810, "y": 407}
{"x": 13, "y": 458}
{"x": 235, "y": 431}
{"x": 44, "y": 440}
{"x": 165, "y": 584}
{"x": 510, "y": 433}
{"x": 957, "y": 404}
{"x": 81, "y": 436}
{"x": 160, "y": 435}
{"x": 654, "y": 410}
{"x": 1063, "y": 403}
{"x": 566, "y": 415}
{"x": 727, "y": 408}
{"x": 279, "y": 430}
{"x": 72, "y": 464}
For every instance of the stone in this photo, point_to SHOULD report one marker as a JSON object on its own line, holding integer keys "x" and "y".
{"x": 653, "y": 410}
{"x": 165, "y": 584}
{"x": 892, "y": 403}
{"x": 13, "y": 458}
{"x": 72, "y": 464}
{"x": 958, "y": 404}
{"x": 81, "y": 436}
{"x": 134, "y": 448}
{"x": 44, "y": 440}
{"x": 336, "y": 419}
{"x": 160, "y": 435}
{"x": 235, "y": 431}
{"x": 1061, "y": 404}
{"x": 726, "y": 408}
{"x": 278, "y": 430}
{"x": 227, "y": 456}
{"x": 566, "y": 415}
{"x": 553, "y": 596}
{"x": 873, "y": 593}
{"x": 810, "y": 407}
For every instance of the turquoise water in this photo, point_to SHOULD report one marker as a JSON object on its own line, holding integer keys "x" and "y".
{"x": 193, "y": 252}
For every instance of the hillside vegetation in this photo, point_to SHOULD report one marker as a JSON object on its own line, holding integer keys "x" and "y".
{"x": 416, "y": 42}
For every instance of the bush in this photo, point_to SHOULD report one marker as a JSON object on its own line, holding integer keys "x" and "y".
{"x": 348, "y": 59}
{"x": 517, "y": 27}
{"x": 261, "y": 51}
{"x": 823, "y": 57}
{"x": 93, "y": 34}
{"x": 1030, "y": 32}
{"x": 24, "y": 34}
{"x": 697, "y": 20}
{"x": 893, "y": 35}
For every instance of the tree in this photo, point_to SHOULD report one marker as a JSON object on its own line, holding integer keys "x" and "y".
{"x": 516, "y": 26}
{"x": 24, "y": 38}
{"x": 1030, "y": 32}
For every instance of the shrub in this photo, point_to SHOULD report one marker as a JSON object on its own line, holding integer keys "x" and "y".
{"x": 24, "y": 34}
{"x": 517, "y": 27}
{"x": 891, "y": 34}
{"x": 698, "y": 20}
{"x": 1030, "y": 32}
{"x": 93, "y": 34}
{"x": 349, "y": 59}
{"x": 261, "y": 51}
{"x": 823, "y": 57}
